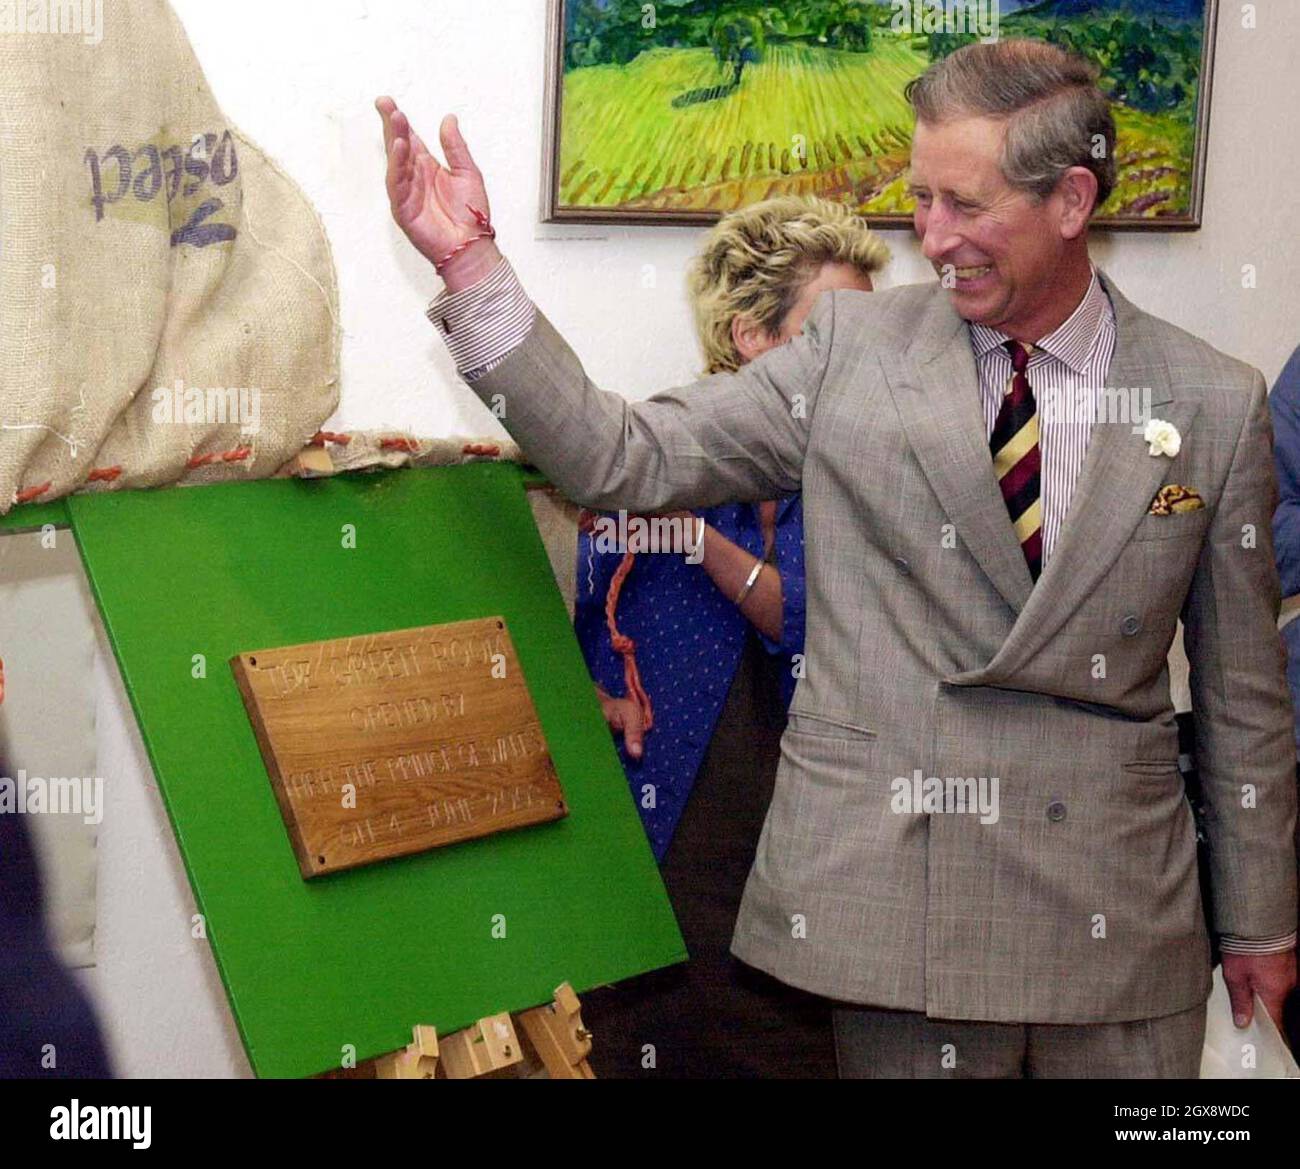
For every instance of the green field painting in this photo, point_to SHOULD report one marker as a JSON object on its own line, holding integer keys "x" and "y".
{"x": 687, "y": 109}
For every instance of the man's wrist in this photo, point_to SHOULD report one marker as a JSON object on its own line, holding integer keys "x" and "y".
{"x": 471, "y": 266}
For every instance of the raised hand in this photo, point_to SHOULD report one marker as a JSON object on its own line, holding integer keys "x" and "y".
{"x": 443, "y": 210}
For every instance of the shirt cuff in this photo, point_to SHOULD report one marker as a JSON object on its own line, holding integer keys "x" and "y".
{"x": 483, "y": 324}
{"x": 1275, "y": 945}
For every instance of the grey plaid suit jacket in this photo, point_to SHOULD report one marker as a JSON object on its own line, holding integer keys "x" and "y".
{"x": 929, "y": 647}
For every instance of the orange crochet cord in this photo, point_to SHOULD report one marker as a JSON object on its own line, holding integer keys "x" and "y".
{"x": 626, "y": 646}
{"x": 406, "y": 445}
{"x": 324, "y": 436}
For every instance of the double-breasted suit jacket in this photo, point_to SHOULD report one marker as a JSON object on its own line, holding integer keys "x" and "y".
{"x": 930, "y": 649}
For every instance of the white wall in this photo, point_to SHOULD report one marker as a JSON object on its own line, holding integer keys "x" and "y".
{"x": 300, "y": 76}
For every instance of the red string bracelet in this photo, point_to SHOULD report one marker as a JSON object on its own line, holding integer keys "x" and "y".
{"x": 488, "y": 232}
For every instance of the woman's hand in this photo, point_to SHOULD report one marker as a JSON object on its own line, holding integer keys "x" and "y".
{"x": 440, "y": 208}
{"x": 624, "y": 716}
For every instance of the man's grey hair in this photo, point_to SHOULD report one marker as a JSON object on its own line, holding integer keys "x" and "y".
{"x": 1056, "y": 115}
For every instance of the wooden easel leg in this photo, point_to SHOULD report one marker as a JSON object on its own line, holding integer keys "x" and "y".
{"x": 557, "y": 1033}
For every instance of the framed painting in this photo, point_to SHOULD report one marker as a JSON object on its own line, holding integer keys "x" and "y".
{"x": 681, "y": 110}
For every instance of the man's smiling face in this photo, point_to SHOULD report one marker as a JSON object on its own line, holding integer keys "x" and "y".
{"x": 1004, "y": 246}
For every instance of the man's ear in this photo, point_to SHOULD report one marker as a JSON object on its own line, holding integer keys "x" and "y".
{"x": 749, "y": 337}
{"x": 1077, "y": 191}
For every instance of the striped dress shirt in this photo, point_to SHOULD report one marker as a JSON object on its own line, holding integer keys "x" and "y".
{"x": 483, "y": 324}
{"x": 1067, "y": 370}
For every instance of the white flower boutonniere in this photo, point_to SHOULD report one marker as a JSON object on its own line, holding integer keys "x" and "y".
{"x": 1163, "y": 438}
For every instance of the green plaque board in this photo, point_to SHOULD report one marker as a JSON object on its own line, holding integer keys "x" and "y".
{"x": 189, "y": 577}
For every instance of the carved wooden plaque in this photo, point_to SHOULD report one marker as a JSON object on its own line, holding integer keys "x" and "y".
{"x": 396, "y": 743}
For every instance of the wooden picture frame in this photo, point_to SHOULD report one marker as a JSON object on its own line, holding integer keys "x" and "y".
{"x": 1162, "y": 147}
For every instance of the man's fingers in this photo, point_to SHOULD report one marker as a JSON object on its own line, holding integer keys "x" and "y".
{"x": 411, "y": 166}
{"x": 401, "y": 126}
{"x": 400, "y": 172}
{"x": 454, "y": 148}
{"x": 1239, "y": 995}
{"x": 397, "y": 126}
{"x": 387, "y": 107}
{"x": 403, "y": 132}
{"x": 397, "y": 148}
{"x": 422, "y": 159}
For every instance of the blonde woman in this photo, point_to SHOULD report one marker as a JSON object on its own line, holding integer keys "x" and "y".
{"x": 715, "y": 649}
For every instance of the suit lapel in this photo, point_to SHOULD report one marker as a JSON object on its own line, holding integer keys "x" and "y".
{"x": 935, "y": 387}
{"x": 1114, "y": 491}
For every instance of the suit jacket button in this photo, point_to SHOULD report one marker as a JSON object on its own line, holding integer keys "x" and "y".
{"x": 1130, "y": 625}
{"x": 902, "y": 566}
{"x": 1056, "y": 811}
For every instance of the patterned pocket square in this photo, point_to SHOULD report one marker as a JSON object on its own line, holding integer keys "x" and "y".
{"x": 1174, "y": 499}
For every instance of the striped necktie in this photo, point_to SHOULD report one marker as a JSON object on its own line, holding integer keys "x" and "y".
{"x": 1016, "y": 459}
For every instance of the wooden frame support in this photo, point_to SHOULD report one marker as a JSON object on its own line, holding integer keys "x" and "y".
{"x": 557, "y": 1033}
{"x": 417, "y": 1061}
{"x": 497, "y": 1046}
{"x": 485, "y": 1049}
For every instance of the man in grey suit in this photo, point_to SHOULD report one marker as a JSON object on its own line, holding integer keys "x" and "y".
{"x": 1015, "y": 483}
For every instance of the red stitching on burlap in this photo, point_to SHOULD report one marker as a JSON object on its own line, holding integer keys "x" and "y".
{"x": 32, "y": 494}
{"x": 238, "y": 455}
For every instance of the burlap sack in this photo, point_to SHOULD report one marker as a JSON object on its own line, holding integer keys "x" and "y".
{"x": 168, "y": 303}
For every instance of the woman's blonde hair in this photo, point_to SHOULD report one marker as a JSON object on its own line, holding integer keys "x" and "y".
{"x": 756, "y": 261}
